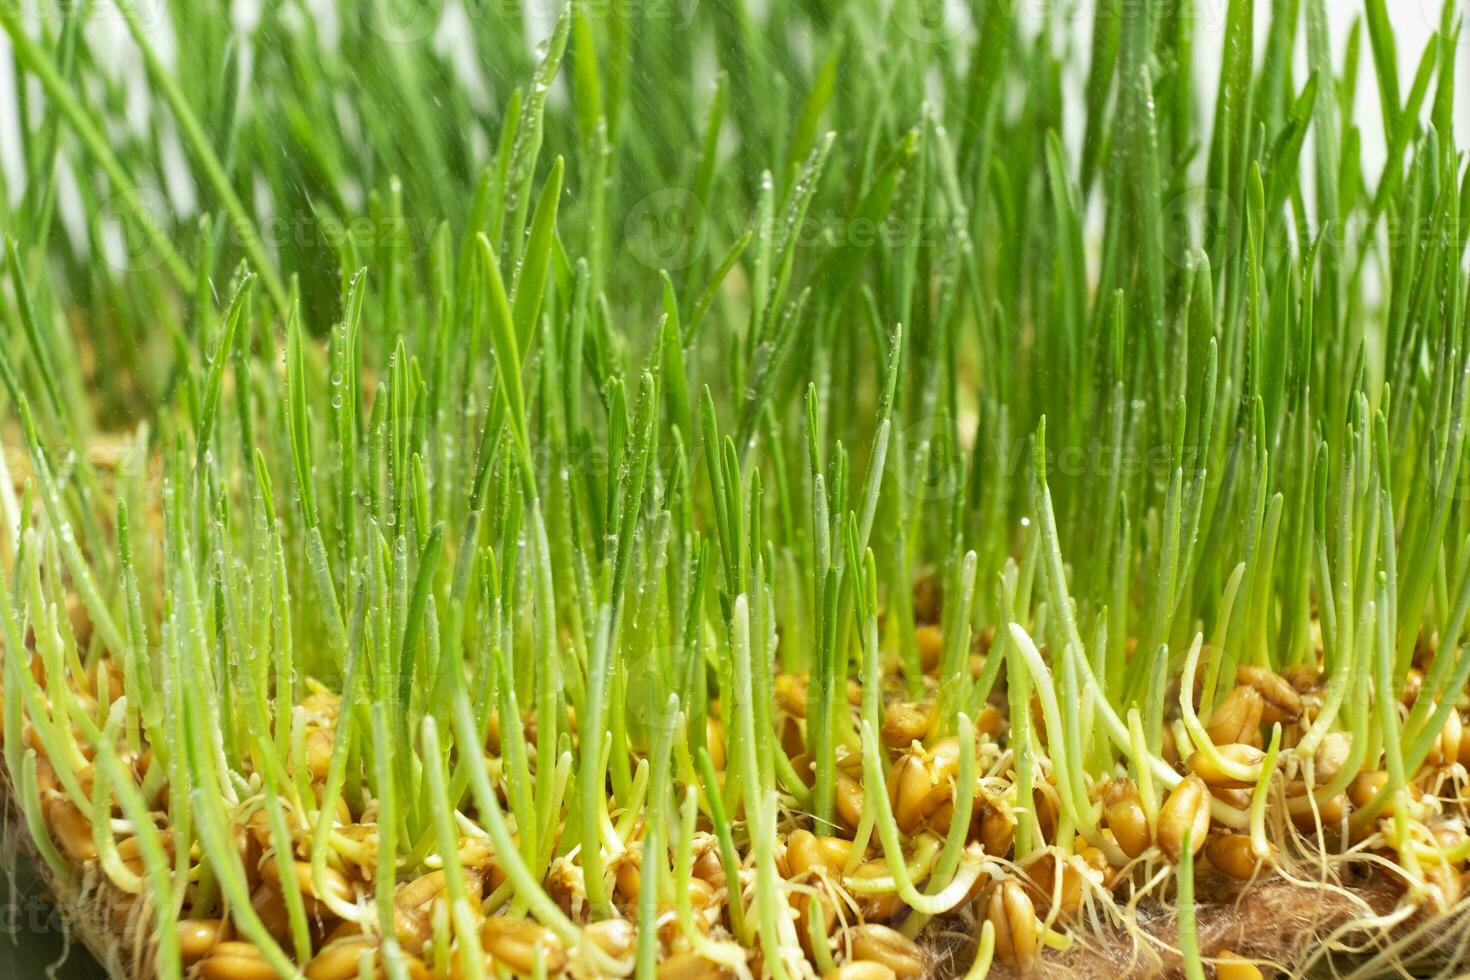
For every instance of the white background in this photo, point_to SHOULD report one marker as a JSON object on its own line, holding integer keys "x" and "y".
{"x": 1413, "y": 20}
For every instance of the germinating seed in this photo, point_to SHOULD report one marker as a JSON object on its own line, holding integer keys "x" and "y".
{"x": 1237, "y": 718}
{"x": 861, "y": 970}
{"x": 1017, "y": 931}
{"x": 1186, "y": 812}
{"x": 1281, "y": 702}
{"x": 198, "y": 936}
{"x": 518, "y": 944}
{"x": 1234, "y": 854}
{"x": 340, "y": 960}
{"x": 1229, "y": 966}
{"x": 236, "y": 961}
{"x": 1234, "y": 766}
{"x": 889, "y": 947}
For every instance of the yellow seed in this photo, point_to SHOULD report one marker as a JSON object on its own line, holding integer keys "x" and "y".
{"x": 997, "y": 828}
{"x": 1042, "y": 871}
{"x": 1237, "y": 718}
{"x": 319, "y": 753}
{"x": 1331, "y": 756}
{"x": 1366, "y": 786}
{"x": 861, "y": 970}
{"x": 1095, "y": 865}
{"x": 236, "y": 961}
{"x": 930, "y": 641}
{"x": 849, "y": 800}
{"x": 417, "y": 893}
{"x": 941, "y": 818}
{"x": 1014, "y": 918}
{"x": 339, "y": 960}
{"x": 889, "y": 947}
{"x": 478, "y": 854}
{"x": 876, "y": 868}
{"x": 1229, "y": 966}
{"x": 198, "y": 936}
{"x": 130, "y": 849}
{"x": 1237, "y": 797}
{"x": 270, "y": 905}
{"x": 1234, "y": 855}
{"x": 688, "y": 966}
{"x": 629, "y": 875}
{"x": 1446, "y": 748}
{"x": 1452, "y": 737}
{"x": 910, "y": 779}
{"x": 46, "y": 782}
{"x": 513, "y": 943}
{"x": 805, "y": 767}
{"x": 322, "y": 705}
{"x": 1044, "y": 801}
{"x": 792, "y": 691}
{"x": 882, "y": 905}
{"x": 1170, "y": 747}
{"x": 905, "y": 723}
{"x": 1369, "y": 784}
{"x": 1207, "y": 767}
{"x": 255, "y": 830}
{"x": 714, "y": 742}
{"x": 1329, "y": 811}
{"x": 1187, "y": 808}
{"x": 1301, "y": 677}
{"x": 990, "y": 822}
{"x": 334, "y": 882}
{"x": 1449, "y": 835}
{"x": 1413, "y": 682}
{"x": 804, "y": 905}
{"x": 615, "y": 937}
{"x": 708, "y": 867}
{"x": 412, "y": 929}
{"x": 72, "y": 830}
{"x": 793, "y": 739}
{"x": 928, "y": 599}
{"x": 701, "y": 894}
{"x": 492, "y": 734}
{"x": 800, "y": 855}
{"x": 1280, "y": 700}
{"x": 807, "y": 853}
{"x": 1123, "y": 812}
{"x": 921, "y": 782}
